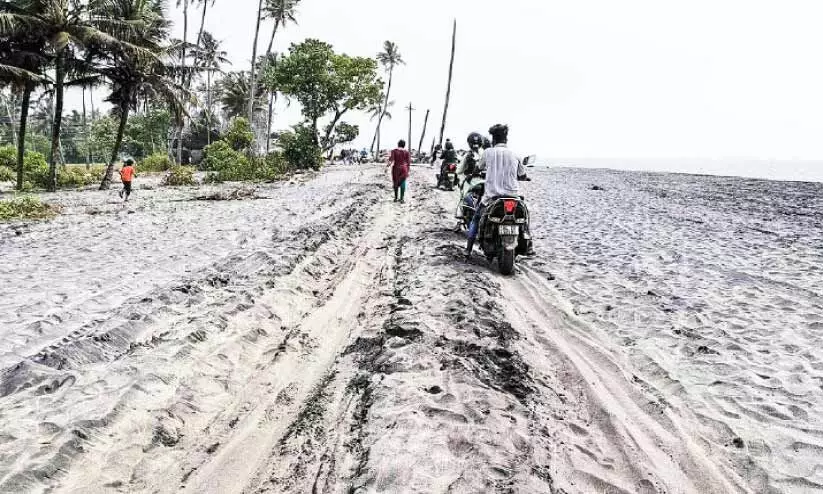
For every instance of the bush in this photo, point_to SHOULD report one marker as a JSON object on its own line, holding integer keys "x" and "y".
{"x": 300, "y": 150}
{"x": 239, "y": 134}
{"x": 36, "y": 171}
{"x": 219, "y": 156}
{"x": 7, "y": 174}
{"x": 158, "y": 162}
{"x": 8, "y": 157}
{"x": 72, "y": 176}
{"x": 228, "y": 165}
{"x": 24, "y": 208}
{"x": 180, "y": 175}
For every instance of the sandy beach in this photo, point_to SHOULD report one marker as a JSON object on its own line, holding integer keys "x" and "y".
{"x": 313, "y": 336}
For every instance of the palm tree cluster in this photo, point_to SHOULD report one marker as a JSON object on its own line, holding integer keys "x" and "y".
{"x": 121, "y": 46}
{"x": 125, "y": 48}
{"x": 51, "y": 45}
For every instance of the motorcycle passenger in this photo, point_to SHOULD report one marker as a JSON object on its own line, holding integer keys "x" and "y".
{"x": 449, "y": 157}
{"x": 466, "y": 169}
{"x": 503, "y": 171}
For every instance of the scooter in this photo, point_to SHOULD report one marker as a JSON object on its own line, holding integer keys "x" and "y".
{"x": 447, "y": 178}
{"x": 502, "y": 231}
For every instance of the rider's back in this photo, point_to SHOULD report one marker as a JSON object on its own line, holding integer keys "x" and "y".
{"x": 502, "y": 169}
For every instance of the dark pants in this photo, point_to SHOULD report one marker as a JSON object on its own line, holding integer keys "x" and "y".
{"x": 126, "y": 189}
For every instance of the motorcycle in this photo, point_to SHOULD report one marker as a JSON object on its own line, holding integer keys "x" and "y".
{"x": 447, "y": 178}
{"x": 502, "y": 231}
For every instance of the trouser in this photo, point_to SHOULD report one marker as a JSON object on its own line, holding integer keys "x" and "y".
{"x": 461, "y": 195}
{"x": 126, "y": 190}
{"x": 402, "y": 189}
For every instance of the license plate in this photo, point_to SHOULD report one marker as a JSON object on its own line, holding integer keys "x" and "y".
{"x": 508, "y": 230}
{"x": 451, "y": 176}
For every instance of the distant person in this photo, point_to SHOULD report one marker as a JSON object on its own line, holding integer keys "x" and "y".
{"x": 399, "y": 161}
{"x": 126, "y": 176}
{"x": 436, "y": 153}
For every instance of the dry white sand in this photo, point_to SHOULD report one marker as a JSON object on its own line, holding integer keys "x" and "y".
{"x": 320, "y": 338}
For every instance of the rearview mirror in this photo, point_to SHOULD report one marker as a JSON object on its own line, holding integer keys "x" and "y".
{"x": 529, "y": 160}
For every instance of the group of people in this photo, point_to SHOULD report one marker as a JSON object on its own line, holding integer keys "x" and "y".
{"x": 502, "y": 169}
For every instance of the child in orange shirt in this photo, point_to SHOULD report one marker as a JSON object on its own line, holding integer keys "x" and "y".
{"x": 126, "y": 176}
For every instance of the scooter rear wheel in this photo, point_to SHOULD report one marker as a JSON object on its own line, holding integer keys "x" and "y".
{"x": 506, "y": 262}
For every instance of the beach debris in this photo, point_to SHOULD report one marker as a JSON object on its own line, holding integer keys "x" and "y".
{"x": 238, "y": 194}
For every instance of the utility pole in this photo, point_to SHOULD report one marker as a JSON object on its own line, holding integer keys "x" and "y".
{"x": 425, "y": 122}
{"x": 411, "y": 109}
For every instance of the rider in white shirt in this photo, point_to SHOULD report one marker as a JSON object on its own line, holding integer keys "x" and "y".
{"x": 504, "y": 171}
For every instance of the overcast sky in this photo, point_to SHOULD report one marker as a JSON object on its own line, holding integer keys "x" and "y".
{"x": 628, "y": 79}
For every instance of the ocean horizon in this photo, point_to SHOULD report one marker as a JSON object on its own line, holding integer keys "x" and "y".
{"x": 783, "y": 170}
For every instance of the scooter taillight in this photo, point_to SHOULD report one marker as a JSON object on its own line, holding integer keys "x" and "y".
{"x": 509, "y": 206}
{"x": 452, "y": 167}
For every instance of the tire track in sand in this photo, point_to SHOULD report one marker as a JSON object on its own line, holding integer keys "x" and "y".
{"x": 616, "y": 432}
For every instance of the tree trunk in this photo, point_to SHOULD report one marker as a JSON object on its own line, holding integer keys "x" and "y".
{"x": 273, "y": 32}
{"x": 337, "y": 115}
{"x": 423, "y": 134}
{"x": 21, "y": 135}
{"x": 118, "y": 141}
{"x": 449, "y": 86}
{"x": 208, "y": 106}
{"x": 11, "y": 117}
{"x": 185, "y": 38}
{"x": 86, "y": 130}
{"x": 382, "y": 113}
{"x": 253, "y": 78}
{"x": 60, "y": 75}
{"x": 202, "y": 24}
{"x": 183, "y": 78}
{"x": 272, "y": 98}
{"x": 272, "y": 94}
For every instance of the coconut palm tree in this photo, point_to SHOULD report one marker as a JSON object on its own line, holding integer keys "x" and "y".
{"x": 132, "y": 74}
{"x": 63, "y": 28}
{"x": 389, "y": 58}
{"x": 283, "y": 12}
{"x": 375, "y": 112}
{"x": 210, "y": 58}
{"x": 234, "y": 94}
{"x": 203, "y": 19}
{"x": 21, "y": 63}
{"x": 253, "y": 78}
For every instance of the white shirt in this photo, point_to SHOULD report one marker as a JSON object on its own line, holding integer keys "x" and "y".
{"x": 502, "y": 169}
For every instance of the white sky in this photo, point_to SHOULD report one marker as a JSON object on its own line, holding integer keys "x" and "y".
{"x": 628, "y": 79}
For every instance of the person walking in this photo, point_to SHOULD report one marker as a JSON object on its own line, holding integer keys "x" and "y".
{"x": 126, "y": 176}
{"x": 399, "y": 161}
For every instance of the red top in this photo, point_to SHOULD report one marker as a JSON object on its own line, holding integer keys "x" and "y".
{"x": 127, "y": 173}
{"x": 401, "y": 159}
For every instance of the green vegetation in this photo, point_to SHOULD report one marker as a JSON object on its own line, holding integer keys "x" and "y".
{"x": 300, "y": 149}
{"x": 25, "y": 208}
{"x": 325, "y": 83}
{"x": 158, "y": 162}
{"x": 168, "y": 100}
{"x": 180, "y": 175}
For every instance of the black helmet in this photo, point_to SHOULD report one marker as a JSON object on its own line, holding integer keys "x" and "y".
{"x": 449, "y": 144}
{"x": 475, "y": 140}
{"x": 499, "y": 133}
{"x": 486, "y": 143}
